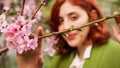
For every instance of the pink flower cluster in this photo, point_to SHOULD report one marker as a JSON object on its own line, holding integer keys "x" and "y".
{"x": 18, "y": 30}
{"x": 18, "y": 34}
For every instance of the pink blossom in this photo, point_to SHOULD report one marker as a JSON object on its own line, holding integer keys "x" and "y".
{"x": 17, "y": 35}
{"x": 21, "y": 20}
{"x": 2, "y": 1}
{"x": 50, "y": 51}
{"x": 3, "y": 22}
{"x": 30, "y": 2}
{"x": 52, "y": 40}
{"x": 12, "y": 19}
{"x": 5, "y": 9}
{"x": 32, "y": 43}
{"x": 3, "y": 26}
{"x": 26, "y": 29}
{"x": 18, "y": 30}
{"x": 33, "y": 21}
{"x": 27, "y": 45}
{"x": 21, "y": 49}
{"x": 11, "y": 30}
{"x": 30, "y": 5}
{"x": 38, "y": 15}
{"x": 11, "y": 44}
{"x": 2, "y": 17}
{"x": 21, "y": 38}
{"x": 19, "y": 11}
{"x": 21, "y": 42}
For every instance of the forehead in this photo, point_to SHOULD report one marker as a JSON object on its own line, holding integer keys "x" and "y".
{"x": 67, "y": 8}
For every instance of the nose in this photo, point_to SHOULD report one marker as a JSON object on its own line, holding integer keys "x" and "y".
{"x": 67, "y": 24}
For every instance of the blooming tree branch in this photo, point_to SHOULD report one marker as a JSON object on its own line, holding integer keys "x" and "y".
{"x": 71, "y": 29}
{"x": 23, "y": 4}
{"x": 40, "y": 5}
{"x": 18, "y": 30}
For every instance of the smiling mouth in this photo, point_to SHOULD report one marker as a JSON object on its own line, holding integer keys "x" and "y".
{"x": 70, "y": 36}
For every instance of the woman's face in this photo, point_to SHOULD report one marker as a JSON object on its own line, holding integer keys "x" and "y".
{"x": 73, "y": 16}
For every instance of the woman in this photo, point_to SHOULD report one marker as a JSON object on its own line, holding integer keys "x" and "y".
{"x": 88, "y": 48}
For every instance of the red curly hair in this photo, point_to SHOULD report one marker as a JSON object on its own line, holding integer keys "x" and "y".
{"x": 99, "y": 34}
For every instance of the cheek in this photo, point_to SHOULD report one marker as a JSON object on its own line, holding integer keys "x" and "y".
{"x": 79, "y": 24}
{"x": 60, "y": 28}
{"x": 84, "y": 32}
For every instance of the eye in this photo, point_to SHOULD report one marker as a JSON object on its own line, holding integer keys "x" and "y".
{"x": 74, "y": 17}
{"x": 61, "y": 20}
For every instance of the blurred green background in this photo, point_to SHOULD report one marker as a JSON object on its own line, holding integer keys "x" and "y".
{"x": 8, "y": 59}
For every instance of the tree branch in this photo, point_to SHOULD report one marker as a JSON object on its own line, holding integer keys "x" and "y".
{"x": 2, "y": 50}
{"x": 71, "y": 29}
{"x": 40, "y": 5}
{"x": 88, "y": 24}
{"x": 23, "y": 4}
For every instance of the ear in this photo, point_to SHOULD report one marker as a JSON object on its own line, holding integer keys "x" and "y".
{"x": 93, "y": 15}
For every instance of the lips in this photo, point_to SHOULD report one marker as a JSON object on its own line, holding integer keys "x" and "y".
{"x": 70, "y": 36}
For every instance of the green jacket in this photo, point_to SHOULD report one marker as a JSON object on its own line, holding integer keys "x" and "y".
{"x": 106, "y": 56}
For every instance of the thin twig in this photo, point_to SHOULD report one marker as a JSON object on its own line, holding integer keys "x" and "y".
{"x": 88, "y": 24}
{"x": 40, "y": 5}
{"x": 71, "y": 29}
{"x": 23, "y": 4}
{"x": 2, "y": 50}
{"x": 9, "y": 5}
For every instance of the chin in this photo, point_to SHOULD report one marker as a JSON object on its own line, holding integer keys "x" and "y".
{"x": 74, "y": 43}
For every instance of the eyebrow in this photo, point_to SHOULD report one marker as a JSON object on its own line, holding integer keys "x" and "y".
{"x": 71, "y": 13}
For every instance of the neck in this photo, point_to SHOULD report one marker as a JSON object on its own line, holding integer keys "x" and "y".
{"x": 81, "y": 49}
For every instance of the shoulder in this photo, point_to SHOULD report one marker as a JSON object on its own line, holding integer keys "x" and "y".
{"x": 107, "y": 52}
{"x": 113, "y": 46}
{"x": 62, "y": 61}
{"x": 112, "y": 50}
{"x": 51, "y": 61}
{"x": 110, "y": 47}
{"x": 110, "y": 57}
